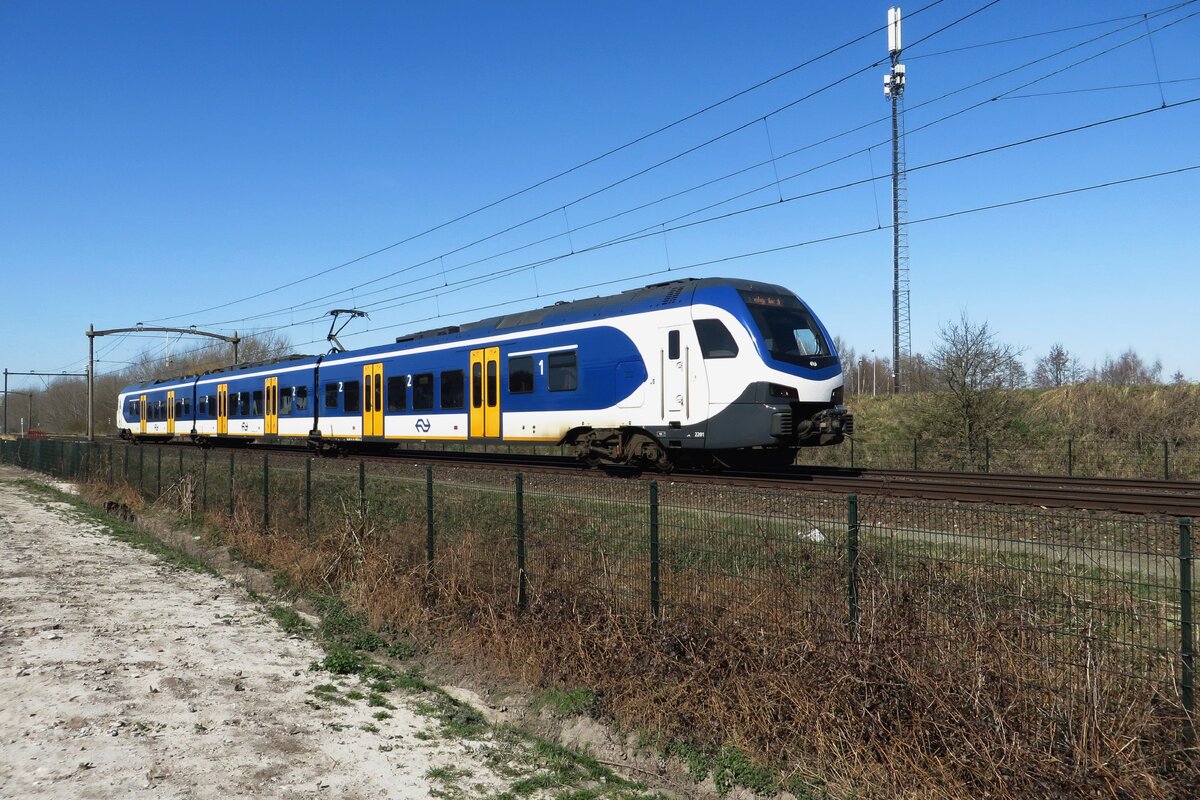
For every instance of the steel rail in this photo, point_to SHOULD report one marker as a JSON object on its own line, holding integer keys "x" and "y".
{"x": 1141, "y": 496}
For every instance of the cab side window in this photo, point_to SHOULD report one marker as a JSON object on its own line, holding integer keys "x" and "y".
{"x": 715, "y": 339}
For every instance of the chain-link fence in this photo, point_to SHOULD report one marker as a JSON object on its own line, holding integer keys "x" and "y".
{"x": 1061, "y": 607}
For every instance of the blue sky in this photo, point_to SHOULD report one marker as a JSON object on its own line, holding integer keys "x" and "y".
{"x": 161, "y": 160}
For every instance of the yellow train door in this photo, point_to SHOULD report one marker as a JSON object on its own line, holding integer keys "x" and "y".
{"x": 485, "y": 393}
{"x": 145, "y": 412}
{"x": 271, "y": 406}
{"x": 171, "y": 412}
{"x": 372, "y": 404}
{"x": 223, "y": 408}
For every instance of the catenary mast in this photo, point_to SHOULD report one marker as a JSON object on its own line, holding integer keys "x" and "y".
{"x": 893, "y": 88}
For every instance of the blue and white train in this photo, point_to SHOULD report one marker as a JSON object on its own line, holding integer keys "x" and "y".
{"x": 698, "y": 371}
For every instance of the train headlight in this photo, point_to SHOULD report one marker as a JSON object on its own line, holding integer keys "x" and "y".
{"x": 783, "y": 392}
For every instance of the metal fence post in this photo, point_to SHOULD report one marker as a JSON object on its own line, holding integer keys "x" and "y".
{"x": 851, "y": 452}
{"x": 522, "y": 599}
{"x": 987, "y": 455}
{"x": 852, "y": 561}
{"x": 914, "y": 454}
{"x": 142, "y": 470}
{"x": 204, "y": 481}
{"x": 158, "y": 457}
{"x": 1187, "y": 649}
{"x": 655, "y": 607}
{"x": 266, "y": 495}
{"x": 429, "y": 520}
{"x": 308, "y": 498}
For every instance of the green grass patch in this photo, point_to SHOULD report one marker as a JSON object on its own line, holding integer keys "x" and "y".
{"x": 731, "y": 768}
{"x": 566, "y": 702}
{"x": 290, "y": 620}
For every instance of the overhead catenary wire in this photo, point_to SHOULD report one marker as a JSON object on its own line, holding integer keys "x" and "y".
{"x": 662, "y": 229}
{"x": 570, "y": 170}
{"x": 811, "y": 242}
{"x": 776, "y": 249}
{"x": 309, "y": 304}
{"x": 619, "y": 182}
{"x": 1052, "y": 31}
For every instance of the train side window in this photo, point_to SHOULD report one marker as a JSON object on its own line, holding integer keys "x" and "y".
{"x": 520, "y": 375}
{"x": 564, "y": 372}
{"x": 256, "y": 404}
{"x": 715, "y": 339}
{"x": 397, "y": 393}
{"x": 452, "y": 389}
{"x": 350, "y": 397}
{"x": 187, "y": 408}
{"x": 212, "y": 405}
{"x": 243, "y": 404}
{"x": 422, "y": 386}
{"x": 492, "y": 380}
{"x": 673, "y": 345}
{"x": 476, "y": 385}
{"x": 302, "y": 398}
{"x": 285, "y": 402}
{"x": 134, "y": 411}
{"x": 179, "y": 409}
{"x": 331, "y": 394}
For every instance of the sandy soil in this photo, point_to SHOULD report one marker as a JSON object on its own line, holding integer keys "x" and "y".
{"x": 123, "y": 677}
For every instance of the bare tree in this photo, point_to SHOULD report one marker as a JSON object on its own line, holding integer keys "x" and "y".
{"x": 919, "y": 374}
{"x": 1057, "y": 368}
{"x": 1128, "y": 369}
{"x": 1177, "y": 379}
{"x": 977, "y": 370}
{"x": 849, "y": 363}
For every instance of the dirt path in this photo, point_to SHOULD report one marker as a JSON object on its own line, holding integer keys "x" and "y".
{"x": 122, "y": 677}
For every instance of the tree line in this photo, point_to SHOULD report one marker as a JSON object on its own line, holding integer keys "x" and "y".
{"x": 970, "y": 352}
{"x": 60, "y": 404}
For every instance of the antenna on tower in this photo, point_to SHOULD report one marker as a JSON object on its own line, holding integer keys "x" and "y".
{"x": 893, "y": 88}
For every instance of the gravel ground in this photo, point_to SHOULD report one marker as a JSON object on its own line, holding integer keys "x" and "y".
{"x": 121, "y": 676}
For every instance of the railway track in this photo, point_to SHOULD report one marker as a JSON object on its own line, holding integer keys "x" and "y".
{"x": 1142, "y": 496}
{"x": 1171, "y": 498}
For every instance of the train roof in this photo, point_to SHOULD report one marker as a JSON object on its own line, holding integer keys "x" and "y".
{"x": 631, "y": 301}
{"x": 233, "y": 369}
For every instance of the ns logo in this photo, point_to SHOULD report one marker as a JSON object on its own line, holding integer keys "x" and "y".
{"x": 423, "y": 425}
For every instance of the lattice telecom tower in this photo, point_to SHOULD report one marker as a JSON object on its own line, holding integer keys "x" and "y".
{"x": 893, "y": 88}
